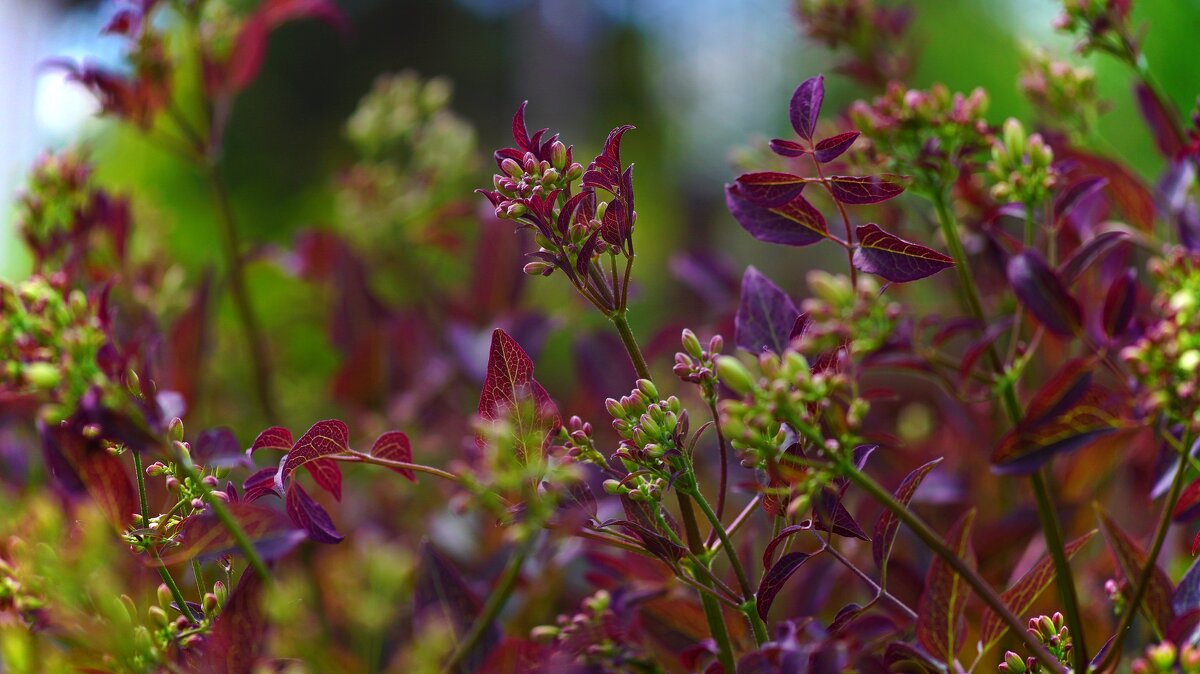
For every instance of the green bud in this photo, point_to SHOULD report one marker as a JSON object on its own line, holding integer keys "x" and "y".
{"x": 175, "y": 430}
{"x": 558, "y": 155}
{"x": 691, "y": 344}
{"x": 158, "y": 616}
{"x": 164, "y": 595}
{"x": 734, "y": 375}
{"x": 544, "y": 633}
{"x": 1016, "y": 664}
{"x": 647, "y": 387}
{"x": 512, "y": 168}
{"x": 42, "y": 375}
{"x": 1014, "y": 137}
{"x": 615, "y": 410}
{"x": 613, "y": 487}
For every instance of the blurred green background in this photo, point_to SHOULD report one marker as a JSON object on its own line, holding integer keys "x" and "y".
{"x": 698, "y": 77}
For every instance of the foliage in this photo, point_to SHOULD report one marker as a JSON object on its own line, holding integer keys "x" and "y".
{"x": 714, "y": 521}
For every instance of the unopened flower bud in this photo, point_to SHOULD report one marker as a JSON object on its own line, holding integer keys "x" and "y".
{"x": 175, "y": 430}
{"x": 558, "y": 155}
{"x": 691, "y": 344}
{"x": 512, "y": 168}
{"x": 42, "y": 375}
{"x": 733, "y": 374}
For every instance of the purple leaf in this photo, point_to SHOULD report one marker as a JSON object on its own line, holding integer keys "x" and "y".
{"x": 796, "y": 223}
{"x": 805, "y": 107}
{"x": 520, "y": 131}
{"x": 786, "y": 148}
{"x": 1187, "y": 595}
{"x": 205, "y": 537}
{"x": 858, "y": 190}
{"x": 1042, "y": 292}
{"x": 310, "y": 516}
{"x": 1161, "y": 120}
{"x": 887, "y": 526}
{"x": 940, "y": 609}
{"x": 831, "y": 148}
{"x": 765, "y": 315}
{"x": 830, "y": 515}
{"x": 323, "y": 439}
{"x": 442, "y": 596}
{"x": 770, "y": 188}
{"x": 218, "y": 447}
{"x": 1087, "y": 254}
{"x": 894, "y": 258}
{"x": 1119, "y": 303}
{"x": 1076, "y": 193}
{"x": 394, "y": 446}
{"x": 783, "y": 535}
{"x": 260, "y": 484}
{"x": 773, "y": 580}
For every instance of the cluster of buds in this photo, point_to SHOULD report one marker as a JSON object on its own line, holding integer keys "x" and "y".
{"x": 841, "y": 316}
{"x": 696, "y": 364}
{"x": 416, "y": 158}
{"x": 1166, "y": 658}
{"x": 1060, "y": 92}
{"x": 1165, "y": 359}
{"x": 872, "y": 34}
{"x": 925, "y": 133}
{"x": 786, "y": 395}
{"x": 50, "y": 339}
{"x": 577, "y": 442}
{"x": 15, "y": 596}
{"x": 534, "y": 189}
{"x": 1100, "y": 25}
{"x": 67, "y": 221}
{"x": 1052, "y": 632}
{"x": 1022, "y": 166}
{"x": 652, "y": 430}
{"x": 594, "y": 638}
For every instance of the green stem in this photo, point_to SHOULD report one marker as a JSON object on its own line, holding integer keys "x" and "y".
{"x": 1143, "y": 581}
{"x": 712, "y": 609}
{"x": 361, "y": 457}
{"x": 495, "y": 603}
{"x": 162, "y": 569}
{"x": 748, "y": 593}
{"x": 631, "y": 345}
{"x": 226, "y": 518}
{"x": 1012, "y": 406}
{"x": 939, "y": 547}
{"x": 264, "y": 384}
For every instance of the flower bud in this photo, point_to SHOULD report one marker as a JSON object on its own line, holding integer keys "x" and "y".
{"x": 615, "y": 410}
{"x": 175, "y": 430}
{"x": 512, "y": 168}
{"x": 42, "y": 375}
{"x": 647, "y": 387}
{"x": 733, "y": 374}
{"x": 1016, "y": 664}
{"x": 538, "y": 268}
{"x": 558, "y": 155}
{"x": 691, "y": 344}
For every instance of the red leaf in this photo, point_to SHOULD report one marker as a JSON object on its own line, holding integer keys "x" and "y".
{"x": 831, "y": 148}
{"x": 1087, "y": 254}
{"x": 1119, "y": 303}
{"x": 1066, "y": 414}
{"x": 865, "y": 189}
{"x": 887, "y": 525}
{"x": 770, "y": 188}
{"x": 1161, "y": 119}
{"x": 1130, "y": 556}
{"x": 894, "y": 258}
{"x": 251, "y": 47}
{"x": 1124, "y": 188}
{"x": 509, "y": 383}
{"x": 239, "y": 633}
{"x": 774, "y": 579}
{"x": 940, "y": 610}
{"x": 327, "y": 475}
{"x": 394, "y": 446}
{"x": 275, "y": 437}
{"x": 1186, "y": 508}
{"x": 323, "y": 439}
{"x": 1020, "y": 597}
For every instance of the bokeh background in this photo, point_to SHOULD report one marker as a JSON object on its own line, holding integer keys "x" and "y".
{"x": 698, "y": 77}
